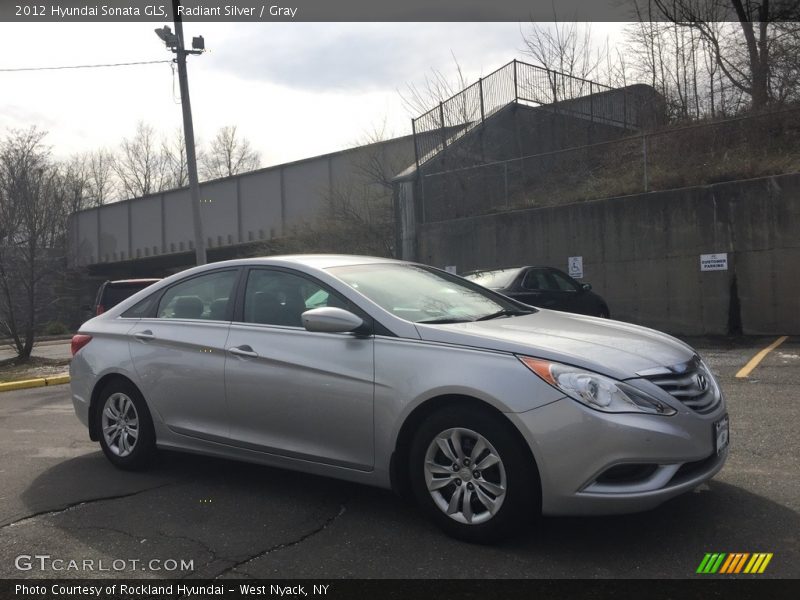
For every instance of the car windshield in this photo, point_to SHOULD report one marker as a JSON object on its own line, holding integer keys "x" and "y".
{"x": 497, "y": 279}
{"x": 423, "y": 295}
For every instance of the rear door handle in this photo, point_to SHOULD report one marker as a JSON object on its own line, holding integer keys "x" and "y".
{"x": 145, "y": 335}
{"x": 243, "y": 351}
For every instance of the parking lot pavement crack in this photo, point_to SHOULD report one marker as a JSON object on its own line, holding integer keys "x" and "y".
{"x": 80, "y": 504}
{"x": 277, "y": 547}
{"x": 106, "y": 528}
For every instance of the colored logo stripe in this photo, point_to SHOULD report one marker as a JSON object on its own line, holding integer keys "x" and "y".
{"x": 711, "y": 562}
{"x": 721, "y": 562}
{"x": 734, "y": 563}
{"x": 758, "y": 563}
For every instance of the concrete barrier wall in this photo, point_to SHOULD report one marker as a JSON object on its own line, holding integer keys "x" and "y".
{"x": 250, "y": 207}
{"x": 642, "y": 252}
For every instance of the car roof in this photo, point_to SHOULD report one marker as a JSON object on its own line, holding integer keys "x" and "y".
{"x": 320, "y": 261}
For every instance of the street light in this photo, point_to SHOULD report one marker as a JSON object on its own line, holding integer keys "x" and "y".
{"x": 174, "y": 41}
{"x": 169, "y": 38}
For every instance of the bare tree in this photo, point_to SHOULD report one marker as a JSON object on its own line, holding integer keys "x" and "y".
{"x": 436, "y": 87}
{"x": 103, "y": 183}
{"x": 174, "y": 150}
{"x": 567, "y": 48}
{"x": 785, "y": 57}
{"x": 228, "y": 154}
{"x": 34, "y": 204}
{"x": 76, "y": 184}
{"x": 746, "y": 57}
{"x": 141, "y": 165}
{"x": 681, "y": 64}
{"x": 358, "y": 211}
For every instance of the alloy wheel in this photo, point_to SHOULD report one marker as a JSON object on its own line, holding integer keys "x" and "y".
{"x": 120, "y": 424}
{"x": 465, "y": 476}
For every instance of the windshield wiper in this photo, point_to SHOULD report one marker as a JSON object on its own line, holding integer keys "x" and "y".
{"x": 444, "y": 320}
{"x": 506, "y": 312}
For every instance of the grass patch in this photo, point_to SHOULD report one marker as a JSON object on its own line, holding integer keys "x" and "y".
{"x": 12, "y": 369}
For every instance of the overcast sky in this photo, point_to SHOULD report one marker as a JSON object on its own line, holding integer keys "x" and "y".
{"x": 295, "y": 90}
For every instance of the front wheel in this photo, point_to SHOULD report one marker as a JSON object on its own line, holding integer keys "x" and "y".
{"x": 126, "y": 429}
{"x": 473, "y": 475}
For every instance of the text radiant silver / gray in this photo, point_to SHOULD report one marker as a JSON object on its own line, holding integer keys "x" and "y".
{"x": 487, "y": 411}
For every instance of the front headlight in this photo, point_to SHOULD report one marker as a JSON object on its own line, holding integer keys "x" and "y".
{"x": 594, "y": 390}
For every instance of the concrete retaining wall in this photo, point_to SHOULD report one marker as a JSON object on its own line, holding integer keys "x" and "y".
{"x": 642, "y": 252}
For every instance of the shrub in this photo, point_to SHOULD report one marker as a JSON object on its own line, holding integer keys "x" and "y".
{"x": 55, "y": 328}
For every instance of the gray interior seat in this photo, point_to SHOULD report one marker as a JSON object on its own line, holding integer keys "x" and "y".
{"x": 189, "y": 307}
{"x": 217, "y": 310}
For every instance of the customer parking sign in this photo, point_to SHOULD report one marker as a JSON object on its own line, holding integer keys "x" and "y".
{"x": 714, "y": 262}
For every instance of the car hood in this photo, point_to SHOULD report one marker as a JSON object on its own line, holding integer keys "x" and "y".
{"x": 613, "y": 348}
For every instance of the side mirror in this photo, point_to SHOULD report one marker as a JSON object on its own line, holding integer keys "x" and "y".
{"x": 586, "y": 287}
{"x": 329, "y": 319}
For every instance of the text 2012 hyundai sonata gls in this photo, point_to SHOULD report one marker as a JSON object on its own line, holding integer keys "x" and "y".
{"x": 489, "y": 412}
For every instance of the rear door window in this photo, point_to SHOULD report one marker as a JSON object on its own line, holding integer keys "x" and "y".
{"x": 539, "y": 280}
{"x": 207, "y": 297}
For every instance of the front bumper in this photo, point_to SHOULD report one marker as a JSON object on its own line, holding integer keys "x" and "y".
{"x": 575, "y": 447}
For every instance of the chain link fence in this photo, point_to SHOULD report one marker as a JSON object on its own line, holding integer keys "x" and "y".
{"x": 521, "y": 82}
{"x": 741, "y": 148}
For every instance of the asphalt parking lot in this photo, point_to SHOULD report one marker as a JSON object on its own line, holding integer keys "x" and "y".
{"x": 60, "y": 497}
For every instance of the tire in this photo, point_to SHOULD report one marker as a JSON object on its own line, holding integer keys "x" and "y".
{"x": 510, "y": 486}
{"x": 134, "y": 447}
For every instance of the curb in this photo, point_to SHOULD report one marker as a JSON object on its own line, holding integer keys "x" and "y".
{"x": 34, "y": 383}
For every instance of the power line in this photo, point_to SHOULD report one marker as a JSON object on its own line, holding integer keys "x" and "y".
{"x": 126, "y": 64}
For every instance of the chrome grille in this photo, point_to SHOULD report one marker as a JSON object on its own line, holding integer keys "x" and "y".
{"x": 690, "y": 383}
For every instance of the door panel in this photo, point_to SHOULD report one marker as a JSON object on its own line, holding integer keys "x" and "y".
{"x": 567, "y": 292}
{"x": 305, "y": 395}
{"x": 181, "y": 369}
{"x": 179, "y": 353}
{"x": 293, "y": 392}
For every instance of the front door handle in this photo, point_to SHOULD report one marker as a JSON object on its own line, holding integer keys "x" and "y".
{"x": 145, "y": 335}
{"x": 243, "y": 351}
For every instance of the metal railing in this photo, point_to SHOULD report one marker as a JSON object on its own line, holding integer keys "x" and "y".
{"x": 518, "y": 81}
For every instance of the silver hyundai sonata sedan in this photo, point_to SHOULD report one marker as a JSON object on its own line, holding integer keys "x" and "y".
{"x": 488, "y": 412}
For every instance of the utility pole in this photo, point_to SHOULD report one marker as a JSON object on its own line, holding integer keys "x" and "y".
{"x": 175, "y": 43}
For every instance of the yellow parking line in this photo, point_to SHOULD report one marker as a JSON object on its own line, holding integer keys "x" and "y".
{"x": 753, "y": 362}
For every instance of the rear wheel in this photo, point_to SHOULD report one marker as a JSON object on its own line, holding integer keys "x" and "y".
{"x": 126, "y": 429}
{"x": 473, "y": 476}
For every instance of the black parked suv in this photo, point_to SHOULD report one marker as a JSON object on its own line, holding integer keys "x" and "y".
{"x": 112, "y": 293}
{"x": 544, "y": 287}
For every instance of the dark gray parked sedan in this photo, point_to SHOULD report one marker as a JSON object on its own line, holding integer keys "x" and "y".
{"x": 545, "y": 287}
{"x": 388, "y": 373}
